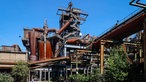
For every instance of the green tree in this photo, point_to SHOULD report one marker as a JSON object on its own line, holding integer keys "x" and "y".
{"x": 117, "y": 66}
{"x": 20, "y": 71}
{"x": 4, "y": 77}
{"x": 96, "y": 76}
{"x": 79, "y": 78}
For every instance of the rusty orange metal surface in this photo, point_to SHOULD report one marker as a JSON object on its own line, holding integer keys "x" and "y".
{"x": 65, "y": 26}
{"x": 76, "y": 41}
{"x": 32, "y": 37}
{"x": 48, "y": 50}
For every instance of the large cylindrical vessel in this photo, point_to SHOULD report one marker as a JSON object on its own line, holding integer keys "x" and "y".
{"x": 49, "y": 53}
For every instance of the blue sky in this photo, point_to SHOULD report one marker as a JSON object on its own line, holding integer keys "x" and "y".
{"x": 18, "y": 14}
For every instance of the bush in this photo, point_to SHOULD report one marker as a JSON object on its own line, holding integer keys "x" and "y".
{"x": 116, "y": 70}
{"x": 117, "y": 66}
{"x": 78, "y": 78}
{"x": 96, "y": 76}
{"x": 4, "y": 77}
{"x": 20, "y": 71}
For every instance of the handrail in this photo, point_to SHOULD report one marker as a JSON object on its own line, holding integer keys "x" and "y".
{"x": 138, "y": 4}
{"x": 122, "y": 21}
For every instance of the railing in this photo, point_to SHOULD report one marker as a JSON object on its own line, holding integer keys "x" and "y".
{"x": 125, "y": 19}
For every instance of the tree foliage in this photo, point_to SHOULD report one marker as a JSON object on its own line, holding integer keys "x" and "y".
{"x": 20, "y": 71}
{"x": 4, "y": 77}
{"x": 94, "y": 77}
{"x": 117, "y": 66}
{"x": 78, "y": 78}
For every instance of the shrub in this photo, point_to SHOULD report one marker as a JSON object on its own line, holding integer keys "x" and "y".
{"x": 4, "y": 77}
{"x": 96, "y": 76}
{"x": 78, "y": 78}
{"x": 117, "y": 66}
{"x": 20, "y": 71}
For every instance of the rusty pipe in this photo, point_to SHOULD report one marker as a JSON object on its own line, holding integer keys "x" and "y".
{"x": 65, "y": 26}
{"x": 48, "y": 30}
{"x": 74, "y": 40}
{"x": 32, "y": 42}
{"x": 38, "y": 29}
{"x": 52, "y": 30}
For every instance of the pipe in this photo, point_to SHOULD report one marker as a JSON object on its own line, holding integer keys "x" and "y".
{"x": 45, "y": 35}
{"x": 138, "y": 4}
{"x": 77, "y": 39}
{"x": 65, "y": 48}
{"x": 48, "y": 30}
{"x": 65, "y": 26}
{"x": 32, "y": 46}
{"x": 52, "y": 30}
{"x": 86, "y": 36}
{"x": 64, "y": 51}
{"x": 74, "y": 46}
{"x": 69, "y": 34}
{"x": 38, "y": 29}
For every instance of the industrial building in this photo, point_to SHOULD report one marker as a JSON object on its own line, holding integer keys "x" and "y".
{"x": 54, "y": 54}
{"x": 9, "y": 55}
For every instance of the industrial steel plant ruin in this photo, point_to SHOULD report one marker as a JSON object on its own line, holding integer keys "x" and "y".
{"x": 55, "y": 54}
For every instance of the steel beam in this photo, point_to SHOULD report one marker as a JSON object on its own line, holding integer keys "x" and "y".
{"x": 144, "y": 49}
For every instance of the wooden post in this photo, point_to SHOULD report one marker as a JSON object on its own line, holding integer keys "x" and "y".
{"x": 144, "y": 40}
{"x": 101, "y": 57}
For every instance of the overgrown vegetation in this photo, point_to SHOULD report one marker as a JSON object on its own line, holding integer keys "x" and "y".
{"x": 20, "y": 71}
{"x": 116, "y": 69}
{"x": 117, "y": 66}
{"x": 78, "y": 78}
{"x": 94, "y": 77}
{"x": 4, "y": 77}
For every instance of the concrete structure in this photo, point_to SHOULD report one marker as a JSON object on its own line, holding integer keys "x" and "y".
{"x": 9, "y": 55}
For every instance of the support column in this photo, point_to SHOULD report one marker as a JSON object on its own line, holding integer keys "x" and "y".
{"x": 64, "y": 51}
{"x": 45, "y": 46}
{"x": 40, "y": 75}
{"x": 101, "y": 57}
{"x": 49, "y": 74}
{"x": 144, "y": 40}
{"x": 45, "y": 74}
{"x": 140, "y": 53}
{"x": 66, "y": 73}
{"x": 140, "y": 50}
{"x": 32, "y": 37}
{"x": 71, "y": 65}
{"x": 76, "y": 64}
{"x": 84, "y": 70}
